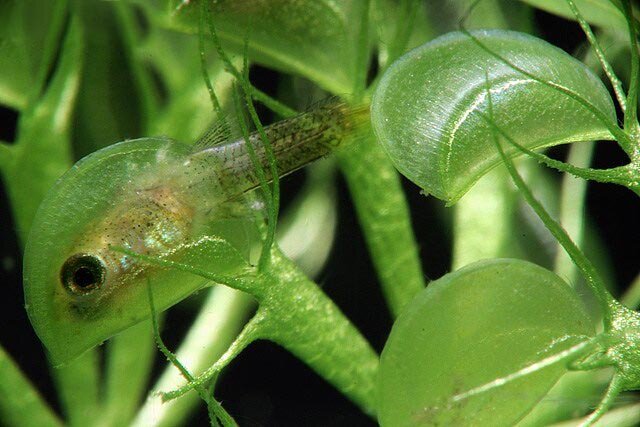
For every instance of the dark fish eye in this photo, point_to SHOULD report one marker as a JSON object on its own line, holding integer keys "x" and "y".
{"x": 82, "y": 274}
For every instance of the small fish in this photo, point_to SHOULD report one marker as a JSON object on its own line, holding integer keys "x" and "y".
{"x": 155, "y": 196}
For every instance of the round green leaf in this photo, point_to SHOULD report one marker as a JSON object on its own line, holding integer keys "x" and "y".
{"x": 317, "y": 39}
{"x": 471, "y": 328}
{"x": 78, "y": 291}
{"x": 604, "y": 13}
{"x": 430, "y": 109}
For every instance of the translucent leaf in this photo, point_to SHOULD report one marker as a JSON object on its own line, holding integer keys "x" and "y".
{"x": 475, "y": 327}
{"x": 42, "y": 149}
{"x": 427, "y": 110}
{"x": 314, "y": 38}
{"x": 89, "y": 199}
{"x": 598, "y": 12}
{"x": 108, "y": 102}
{"x": 20, "y": 403}
{"x": 29, "y": 33}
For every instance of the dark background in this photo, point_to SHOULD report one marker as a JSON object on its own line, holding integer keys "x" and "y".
{"x": 267, "y": 386}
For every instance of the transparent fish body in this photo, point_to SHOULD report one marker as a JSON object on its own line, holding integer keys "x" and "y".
{"x": 154, "y": 196}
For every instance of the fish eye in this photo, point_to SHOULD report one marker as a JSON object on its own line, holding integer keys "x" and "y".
{"x": 82, "y": 274}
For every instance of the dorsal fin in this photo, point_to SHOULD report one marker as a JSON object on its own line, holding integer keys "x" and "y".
{"x": 219, "y": 132}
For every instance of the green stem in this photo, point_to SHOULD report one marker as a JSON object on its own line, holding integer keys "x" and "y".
{"x": 405, "y": 26}
{"x": 594, "y": 281}
{"x": 216, "y": 412}
{"x": 361, "y": 63}
{"x": 219, "y": 321}
{"x": 51, "y": 46}
{"x": 296, "y": 314}
{"x": 626, "y": 175}
{"x": 383, "y": 211}
{"x": 624, "y": 416}
{"x": 588, "y": 270}
{"x": 215, "y": 102}
{"x": 148, "y": 96}
{"x": 593, "y": 41}
{"x": 476, "y": 233}
{"x": 631, "y": 114}
{"x": 308, "y": 324}
{"x": 129, "y": 359}
{"x": 631, "y": 298}
{"x": 271, "y": 103}
{"x": 20, "y": 402}
{"x": 78, "y": 385}
{"x": 572, "y": 208}
{"x": 274, "y": 199}
{"x": 268, "y": 195}
{"x": 6, "y": 154}
{"x": 615, "y": 387}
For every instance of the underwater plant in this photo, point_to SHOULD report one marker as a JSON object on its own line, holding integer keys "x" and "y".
{"x": 183, "y": 215}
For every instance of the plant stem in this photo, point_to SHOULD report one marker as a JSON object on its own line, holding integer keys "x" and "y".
{"x": 361, "y": 62}
{"x": 593, "y": 41}
{"x": 220, "y": 319}
{"x": 572, "y": 211}
{"x": 295, "y": 313}
{"x": 78, "y": 385}
{"x": 146, "y": 92}
{"x": 476, "y": 232}
{"x": 631, "y": 298}
{"x": 386, "y": 221}
{"x": 312, "y": 327}
{"x": 631, "y": 113}
{"x": 20, "y": 402}
{"x": 607, "y": 303}
{"x": 129, "y": 359}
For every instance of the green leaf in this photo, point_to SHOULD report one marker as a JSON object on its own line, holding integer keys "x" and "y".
{"x": 29, "y": 34}
{"x": 78, "y": 386}
{"x": 480, "y": 346}
{"x": 108, "y": 102}
{"x": 20, "y": 403}
{"x": 625, "y": 416}
{"x": 400, "y": 25}
{"x": 98, "y": 191}
{"x": 503, "y": 14}
{"x": 576, "y": 393}
{"x": 485, "y": 221}
{"x": 598, "y": 12}
{"x": 130, "y": 356}
{"x": 427, "y": 110}
{"x": 42, "y": 151}
{"x": 225, "y": 310}
{"x": 317, "y": 39}
{"x": 294, "y": 313}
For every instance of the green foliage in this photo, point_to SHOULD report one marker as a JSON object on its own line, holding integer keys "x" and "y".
{"x": 606, "y": 13}
{"x": 20, "y": 403}
{"x": 29, "y": 32}
{"x": 425, "y": 110}
{"x": 78, "y": 211}
{"x": 484, "y": 343}
{"x": 317, "y": 39}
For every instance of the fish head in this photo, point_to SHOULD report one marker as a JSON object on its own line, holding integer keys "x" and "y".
{"x": 79, "y": 289}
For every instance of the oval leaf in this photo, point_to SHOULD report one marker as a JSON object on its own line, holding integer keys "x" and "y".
{"x": 111, "y": 198}
{"x": 430, "y": 108}
{"x": 598, "y": 12}
{"x": 317, "y": 39}
{"x": 470, "y": 328}
{"x": 29, "y": 33}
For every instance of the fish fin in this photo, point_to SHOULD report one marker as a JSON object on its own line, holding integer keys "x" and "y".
{"x": 223, "y": 130}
